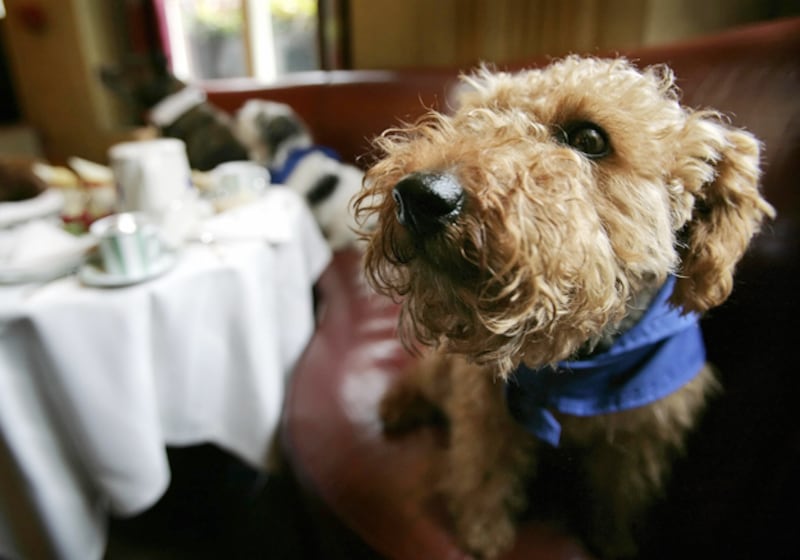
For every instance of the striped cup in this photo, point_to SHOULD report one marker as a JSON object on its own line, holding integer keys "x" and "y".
{"x": 130, "y": 244}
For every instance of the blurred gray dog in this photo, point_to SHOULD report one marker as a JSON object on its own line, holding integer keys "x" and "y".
{"x": 177, "y": 109}
{"x": 277, "y": 137}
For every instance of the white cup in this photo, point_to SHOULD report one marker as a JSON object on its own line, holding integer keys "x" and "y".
{"x": 237, "y": 182}
{"x": 130, "y": 244}
{"x": 151, "y": 175}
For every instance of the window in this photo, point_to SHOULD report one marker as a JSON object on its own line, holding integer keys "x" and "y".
{"x": 265, "y": 39}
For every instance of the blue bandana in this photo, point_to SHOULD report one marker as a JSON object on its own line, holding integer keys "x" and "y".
{"x": 655, "y": 358}
{"x": 279, "y": 175}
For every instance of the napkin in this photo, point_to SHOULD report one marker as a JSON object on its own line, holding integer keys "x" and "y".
{"x": 39, "y": 250}
{"x": 48, "y": 203}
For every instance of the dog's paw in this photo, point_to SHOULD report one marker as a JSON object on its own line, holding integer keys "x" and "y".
{"x": 404, "y": 409}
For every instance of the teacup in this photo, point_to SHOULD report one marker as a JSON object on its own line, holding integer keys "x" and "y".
{"x": 130, "y": 245}
{"x": 237, "y": 182}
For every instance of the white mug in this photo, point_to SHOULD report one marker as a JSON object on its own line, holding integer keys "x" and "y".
{"x": 237, "y": 182}
{"x": 151, "y": 175}
{"x": 130, "y": 244}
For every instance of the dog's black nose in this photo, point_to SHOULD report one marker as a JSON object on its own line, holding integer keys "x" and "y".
{"x": 427, "y": 201}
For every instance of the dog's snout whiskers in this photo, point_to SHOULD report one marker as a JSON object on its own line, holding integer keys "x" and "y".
{"x": 426, "y": 202}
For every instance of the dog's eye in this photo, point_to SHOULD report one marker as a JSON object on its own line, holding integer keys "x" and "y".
{"x": 587, "y": 138}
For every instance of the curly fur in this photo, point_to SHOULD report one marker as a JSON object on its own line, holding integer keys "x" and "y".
{"x": 552, "y": 253}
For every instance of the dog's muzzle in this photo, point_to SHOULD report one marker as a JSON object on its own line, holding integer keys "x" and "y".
{"x": 426, "y": 202}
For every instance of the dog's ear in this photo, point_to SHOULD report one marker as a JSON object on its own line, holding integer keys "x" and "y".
{"x": 719, "y": 167}
{"x": 160, "y": 64}
{"x": 113, "y": 78}
{"x": 277, "y": 130}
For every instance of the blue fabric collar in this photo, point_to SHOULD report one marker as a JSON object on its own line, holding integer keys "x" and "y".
{"x": 655, "y": 358}
{"x": 279, "y": 175}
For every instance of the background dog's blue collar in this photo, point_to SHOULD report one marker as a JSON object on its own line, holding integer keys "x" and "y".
{"x": 655, "y": 358}
{"x": 280, "y": 174}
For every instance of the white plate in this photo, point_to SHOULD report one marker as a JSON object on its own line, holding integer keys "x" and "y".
{"x": 48, "y": 203}
{"x": 92, "y": 273}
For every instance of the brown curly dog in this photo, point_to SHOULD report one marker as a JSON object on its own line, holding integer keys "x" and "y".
{"x": 554, "y": 241}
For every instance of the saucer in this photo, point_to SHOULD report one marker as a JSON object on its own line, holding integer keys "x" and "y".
{"x": 92, "y": 273}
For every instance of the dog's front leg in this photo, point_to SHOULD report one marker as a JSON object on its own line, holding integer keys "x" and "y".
{"x": 486, "y": 465}
{"x": 623, "y": 481}
{"x": 630, "y": 459}
{"x": 417, "y": 398}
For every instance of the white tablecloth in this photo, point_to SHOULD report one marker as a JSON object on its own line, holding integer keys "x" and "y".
{"x": 94, "y": 383}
